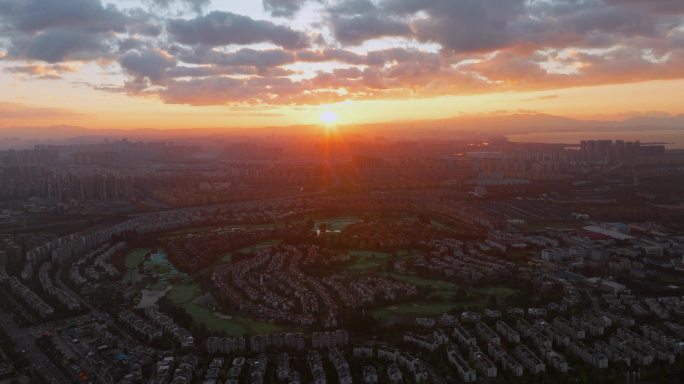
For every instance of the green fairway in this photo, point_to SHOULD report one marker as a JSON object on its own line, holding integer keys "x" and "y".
{"x": 337, "y": 223}
{"x": 442, "y": 288}
{"x": 365, "y": 264}
{"x": 435, "y": 284}
{"x": 369, "y": 254}
{"x": 184, "y": 293}
{"x": 418, "y": 309}
{"x": 498, "y": 291}
{"x": 252, "y": 248}
{"x": 188, "y": 231}
{"x": 439, "y": 224}
{"x": 222, "y": 229}
{"x": 406, "y": 253}
{"x": 232, "y": 325}
{"x": 367, "y": 260}
{"x": 135, "y": 257}
{"x": 184, "y": 296}
{"x": 233, "y": 228}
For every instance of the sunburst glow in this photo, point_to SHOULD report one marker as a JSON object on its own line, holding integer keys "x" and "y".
{"x": 329, "y": 117}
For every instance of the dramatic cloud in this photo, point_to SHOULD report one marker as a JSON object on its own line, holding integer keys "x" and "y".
{"x": 663, "y": 6}
{"x": 283, "y": 7}
{"x": 37, "y": 15}
{"x": 195, "y": 5}
{"x": 55, "y": 45}
{"x": 196, "y": 52}
{"x": 357, "y": 29}
{"x": 224, "y": 28}
{"x": 58, "y": 30}
{"x": 44, "y": 72}
{"x": 460, "y": 25}
{"x": 151, "y": 65}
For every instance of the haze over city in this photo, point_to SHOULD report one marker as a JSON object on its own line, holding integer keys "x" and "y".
{"x": 341, "y": 191}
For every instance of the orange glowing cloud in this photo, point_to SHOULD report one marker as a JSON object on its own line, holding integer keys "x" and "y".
{"x": 294, "y": 53}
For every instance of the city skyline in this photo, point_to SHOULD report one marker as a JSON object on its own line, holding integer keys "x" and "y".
{"x": 212, "y": 64}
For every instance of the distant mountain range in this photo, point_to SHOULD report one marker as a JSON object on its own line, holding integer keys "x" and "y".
{"x": 528, "y": 123}
{"x": 481, "y": 125}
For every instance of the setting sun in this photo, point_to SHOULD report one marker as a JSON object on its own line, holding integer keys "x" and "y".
{"x": 329, "y": 117}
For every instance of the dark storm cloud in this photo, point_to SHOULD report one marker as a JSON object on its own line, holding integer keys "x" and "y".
{"x": 225, "y": 28}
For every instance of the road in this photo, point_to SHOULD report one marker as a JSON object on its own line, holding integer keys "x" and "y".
{"x": 25, "y": 342}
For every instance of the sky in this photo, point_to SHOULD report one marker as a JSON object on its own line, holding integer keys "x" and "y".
{"x": 246, "y": 63}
